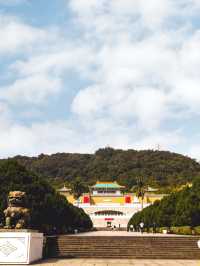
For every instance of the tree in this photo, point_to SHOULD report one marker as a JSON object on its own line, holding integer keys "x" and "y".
{"x": 140, "y": 189}
{"x": 78, "y": 187}
{"x": 180, "y": 208}
{"x": 50, "y": 212}
{"x": 161, "y": 168}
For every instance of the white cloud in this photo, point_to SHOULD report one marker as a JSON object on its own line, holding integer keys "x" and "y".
{"x": 141, "y": 62}
{"x": 164, "y": 61}
{"x": 144, "y": 79}
{"x": 146, "y": 105}
{"x": 5, "y": 116}
{"x": 194, "y": 151}
{"x": 64, "y": 58}
{"x": 150, "y": 107}
{"x": 33, "y": 89}
{"x": 46, "y": 137}
{"x": 164, "y": 140}
{"x": 17, "y": 37}
{"x": 56, "y": 136}
{"x": 147, "y": 12}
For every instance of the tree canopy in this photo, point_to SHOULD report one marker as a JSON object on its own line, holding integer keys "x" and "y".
{"x": 50, "y": 212}
{"x": 78, "y": 187}
{"x": 178, "y": 209}
{"x": 158, "y": 168}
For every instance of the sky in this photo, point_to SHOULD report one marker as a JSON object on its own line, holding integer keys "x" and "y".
{"x": 79, "y": 75}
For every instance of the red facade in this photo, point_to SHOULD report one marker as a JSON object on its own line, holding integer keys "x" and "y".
{"x": 127, "y": 199}
{"x": 86, "y": 199}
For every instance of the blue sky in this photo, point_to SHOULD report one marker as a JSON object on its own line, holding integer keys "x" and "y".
{"x": 78, "y": 75}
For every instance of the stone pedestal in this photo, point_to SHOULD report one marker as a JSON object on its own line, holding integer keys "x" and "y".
{"x": 19, "y": 247}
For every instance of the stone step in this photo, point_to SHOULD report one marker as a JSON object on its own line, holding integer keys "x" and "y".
{"x": 127, "y": 248}
{"x": 112, "y": 245}
{"x": 149, "y": 247}
{"x": 153, "y": 257}
{"x": 130, "y": 256}
{"x": 130, "y": 244}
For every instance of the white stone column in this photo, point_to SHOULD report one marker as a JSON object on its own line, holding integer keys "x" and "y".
{"x": 20, "y": 247}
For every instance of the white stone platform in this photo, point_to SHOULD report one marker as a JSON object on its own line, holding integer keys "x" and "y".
{"x": 20, "y": 247}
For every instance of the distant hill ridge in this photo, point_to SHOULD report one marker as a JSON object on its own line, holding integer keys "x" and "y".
{"x": 159, "y": 168}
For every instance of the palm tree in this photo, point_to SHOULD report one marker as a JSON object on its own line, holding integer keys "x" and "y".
{"x": 140, "y": 189}
{"x": 78, "y": 187}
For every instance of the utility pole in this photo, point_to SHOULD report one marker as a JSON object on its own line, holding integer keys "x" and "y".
{"x": 158, "y": 147}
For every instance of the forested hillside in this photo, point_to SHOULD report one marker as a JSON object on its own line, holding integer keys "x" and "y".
{"x": 158, "y": 168}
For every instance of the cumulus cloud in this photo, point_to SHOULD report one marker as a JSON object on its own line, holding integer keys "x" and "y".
{"x": 59, "y": 61}
{"x": 194, "y": 152}
{"x": 142, "y": 79}
{"x": 140, "y": 65}
{"x": 17, "y": 36}
{"x": 33, "y": 89}
{"x": 145, "y": 105}
{"x": 56, "y": 136}
{"x": 147, "y": 79}
{"x": 5, "y": 116}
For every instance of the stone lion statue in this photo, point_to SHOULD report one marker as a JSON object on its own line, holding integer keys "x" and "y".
{"x": 17, "y": 215}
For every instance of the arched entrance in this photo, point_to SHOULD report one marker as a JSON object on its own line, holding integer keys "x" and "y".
{"x": 109, "y": 216}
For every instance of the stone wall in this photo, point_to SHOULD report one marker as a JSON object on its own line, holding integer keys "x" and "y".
{"x": 116, "y": 220}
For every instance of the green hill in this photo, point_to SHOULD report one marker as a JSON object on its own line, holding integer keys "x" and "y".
{"x": 158, "y": 168}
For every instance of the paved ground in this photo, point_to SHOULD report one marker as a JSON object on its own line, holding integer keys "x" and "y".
{"x": 116, "y": 262}
{"x": 112, "y": 262}
{"x": 121, "y": 233}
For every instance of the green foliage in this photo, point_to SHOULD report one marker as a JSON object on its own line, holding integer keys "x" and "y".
{"x": 161, "y": 229}
{"x": 50, "y": 212}
{"x": 178, "y": 230}
{"x": 140, "y": 188}
{"x": 181, "y": 230}
{"x": 197, "y": 230}
{"x": 158, "y": 168}
{"x": 178, "y": 209}
{"x": 78, "y": 187}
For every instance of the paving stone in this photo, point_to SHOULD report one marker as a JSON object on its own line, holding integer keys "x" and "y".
{"x": 116, "y": 262}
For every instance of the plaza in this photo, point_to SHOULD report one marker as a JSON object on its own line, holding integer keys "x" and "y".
{"x": 122, "y": 260}
{"x": 116, "y": 262}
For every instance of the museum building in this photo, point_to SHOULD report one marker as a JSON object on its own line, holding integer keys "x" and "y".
{"x": 109, "y": 206}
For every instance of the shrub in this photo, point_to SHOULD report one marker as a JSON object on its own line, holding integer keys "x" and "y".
{"x": 197, "y": 230}
{"x": 181, "y": 230}
{"x": 160, "y": 229}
